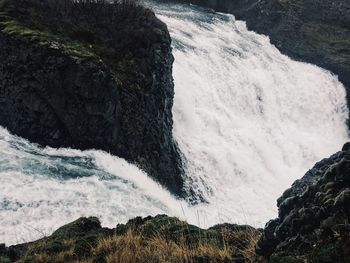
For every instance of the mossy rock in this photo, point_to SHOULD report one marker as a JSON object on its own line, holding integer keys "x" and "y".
{"x": 5, "y": 259}
{"x": 149, "y": 238}
{"x": 335, "y": 252}
{"x": 13, "y": 26}
{"x": 69, "y": 243}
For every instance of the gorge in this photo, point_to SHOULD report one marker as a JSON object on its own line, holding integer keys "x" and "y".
{"x": 247, "y": 122}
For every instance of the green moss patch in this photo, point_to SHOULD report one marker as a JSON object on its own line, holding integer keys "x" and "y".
{"x": 47, "y": 39}
{"x": 120, "y": 34}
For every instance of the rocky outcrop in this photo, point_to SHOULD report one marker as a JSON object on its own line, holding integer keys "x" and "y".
{"x": 151, "y": 239}
{"x": 314, "y": 31}
{"x": 313, "y": 223}
{"x": 90, "y": 74}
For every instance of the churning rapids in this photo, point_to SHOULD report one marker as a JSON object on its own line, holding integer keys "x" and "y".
{"x": 248, "y": 119}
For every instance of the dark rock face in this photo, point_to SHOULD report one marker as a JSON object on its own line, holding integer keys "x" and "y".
{"x": 60, "y": 98}
{"x": 314, "y": 216}
{"x": 314, "y": 31}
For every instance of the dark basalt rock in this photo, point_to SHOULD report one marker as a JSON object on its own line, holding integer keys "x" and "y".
{"x": 314, "y": 216}
{"x": 313, "y": 31}
{"x": 90, "y": 75}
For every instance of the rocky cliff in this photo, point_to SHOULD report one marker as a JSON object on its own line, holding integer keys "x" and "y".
{"x": 313, "y": 223}
{"x": 90, "y": 74}
{"x": 314, "y": 31}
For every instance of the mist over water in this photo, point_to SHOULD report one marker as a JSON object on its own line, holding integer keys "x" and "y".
{"x": 249, "y": 121}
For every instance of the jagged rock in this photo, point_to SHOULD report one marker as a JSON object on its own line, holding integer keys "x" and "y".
{"x": 90, "y": 74}
{"x": 313, "y": 223}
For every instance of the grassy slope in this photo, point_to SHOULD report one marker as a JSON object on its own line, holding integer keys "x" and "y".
{"x": 153, "y": 239}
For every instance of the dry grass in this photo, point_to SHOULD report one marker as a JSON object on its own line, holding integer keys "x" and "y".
{"x": 133, "y": 248}
{"x": 44, "y": 257}
{"x": 247, "y": 241}
{"x": 154, "y": 241}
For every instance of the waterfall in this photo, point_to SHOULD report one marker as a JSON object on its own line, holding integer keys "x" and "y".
{"x": 248, "y": 119}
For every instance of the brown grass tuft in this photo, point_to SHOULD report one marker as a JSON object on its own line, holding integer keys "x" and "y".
{"x": 154, "y": 241}
{"x": 244, "y": 244}
{"x": 133, "y": 248}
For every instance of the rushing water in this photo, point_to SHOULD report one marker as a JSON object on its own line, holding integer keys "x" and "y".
{"x": 249, "y": 121}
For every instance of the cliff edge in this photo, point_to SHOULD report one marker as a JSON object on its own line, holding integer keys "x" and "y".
{"x": 90, "y": 74}
{"x": 313, "y": 223}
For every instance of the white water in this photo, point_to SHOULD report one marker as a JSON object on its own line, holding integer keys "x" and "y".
{"x": 249, "y": 120}
{"x": 43, "y": 189}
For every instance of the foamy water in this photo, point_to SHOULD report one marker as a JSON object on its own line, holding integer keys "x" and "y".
{"x": 41, "y": 189}
{"x": 249, "y": 121}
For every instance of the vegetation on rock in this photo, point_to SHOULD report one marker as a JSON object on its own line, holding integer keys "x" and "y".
{"x": 92, "y": 74}
{"x": 152, "y": 239}
{"x": 84, "y": 28}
